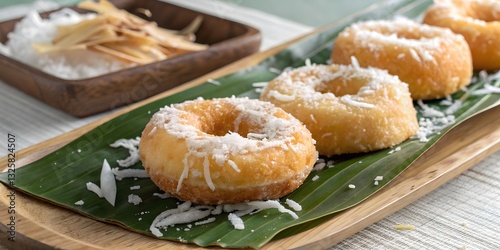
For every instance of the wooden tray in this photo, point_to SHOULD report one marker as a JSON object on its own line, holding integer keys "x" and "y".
{"x": 44, "y": 226}
{"x": 228, "y": 40}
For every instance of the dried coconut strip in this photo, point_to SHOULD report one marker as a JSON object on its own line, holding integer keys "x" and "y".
{"x": 118, "y": 54}
{"x": 261, "y": 205}
{"x": 162, "y": 196}
{"x": 348, "y": 99}
{"x": 236, "y": 221}
{"x": 94, "y": 188}
{"x": 181, "y": 208}
{"x": 171, "y": 40}
{"x": 487, "y": 89}
{"x": 132, "y": 146}
{"x": 233, "y": 165}
{"x": 259, "y": 84}
{"x": 281, "y": 97}
{"x": 129, "y": 173}
{"x": 191, "y": 28}
{"x": 82, "y": 34}
{"x": 191, "y": 215}
{"x": 63, "y": 32}
{"x": 128, "y": 50}
{"x": 203, "y": 222}
{"x": 206, "y": 173}
{"x": 293, "y": 204}
{"x": 45, "y": 48}
{"x": 256, "y": 136}
{"x": 185, "y": 172}
{"x": 108, "y": 183}
{"x": 214, "y": 82}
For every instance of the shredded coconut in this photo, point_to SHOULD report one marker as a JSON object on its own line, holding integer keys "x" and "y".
{"x": 214, "y": 82}
{"x": 348, "y": 99}
{"x": 268, "y": 131}
{"x": 132, "y": 146}
{"x": 134, "y": 199}
{"x": 94, "y": 188}
{"x": 487, "y": 89}
{"x": 293, "y": 204}
{"x": 129, "y": 173}
{"x": 319, "y": 166}
{"x": 162, "y": 196}
{"x": 74, "y": 64}
{"x": 203, "y": 222}
{"x": 281, "y": 97}
{"x": 108, "y": 183}
{"x": 186, "y": 213}
{"x": 236, "y": 221}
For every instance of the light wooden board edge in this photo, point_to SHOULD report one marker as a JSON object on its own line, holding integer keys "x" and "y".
{"x": 451, "y": 156}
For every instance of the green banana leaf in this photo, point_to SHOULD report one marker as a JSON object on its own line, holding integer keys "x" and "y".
{"x": 61, "y": 176}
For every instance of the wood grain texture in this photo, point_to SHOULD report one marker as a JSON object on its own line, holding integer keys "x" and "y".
{"x": 43, "y": 225}
{"x": 228, "y": 40}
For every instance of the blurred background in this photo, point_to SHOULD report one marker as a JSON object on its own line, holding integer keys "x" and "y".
{"x": 311, "y": 13}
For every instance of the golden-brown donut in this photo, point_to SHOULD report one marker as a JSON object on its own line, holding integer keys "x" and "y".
{"x": 226, "y": 150}
{"x": 477, "y": 21}
{"x": 348, "y": 109}
{"x": 434, "y": 61}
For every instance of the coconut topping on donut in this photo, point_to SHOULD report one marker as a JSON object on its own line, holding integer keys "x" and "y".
{"x": 433, "y": 61}
{"x": 273, "y": 132}
{"x": 313, "y": 77}
{"x": 226, "y": 150}
{"x": 373, "y": 34}
{"x": 354, "y": 108}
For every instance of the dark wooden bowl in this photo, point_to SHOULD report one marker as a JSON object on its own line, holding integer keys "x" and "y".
{"x": 228, "y": 40}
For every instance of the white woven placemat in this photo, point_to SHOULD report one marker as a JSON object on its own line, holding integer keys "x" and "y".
{"x": 462, "y": 214}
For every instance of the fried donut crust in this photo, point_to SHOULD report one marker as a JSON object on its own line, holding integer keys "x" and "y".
{"x": 348, "y": 109}
{"x": 477, "y": 21}
{"x": 226, "y": 150}
{"x": 433, "y": 61}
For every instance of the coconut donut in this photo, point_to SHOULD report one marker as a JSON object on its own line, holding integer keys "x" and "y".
{"x": 434, "y": 61}
{"x": 226, "y": 150}
{"x": 348, "y": 109}
{"x": 477, "y": 21}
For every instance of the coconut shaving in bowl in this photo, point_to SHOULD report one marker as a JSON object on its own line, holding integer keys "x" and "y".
{"x": 74, "y": 64}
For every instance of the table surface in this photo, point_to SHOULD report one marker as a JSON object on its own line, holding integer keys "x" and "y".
{"x": 462, "y": 214}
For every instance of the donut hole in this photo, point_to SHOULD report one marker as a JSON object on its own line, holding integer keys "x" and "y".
{"x": 342, "y": 86}
{"x": 220, "y": 120}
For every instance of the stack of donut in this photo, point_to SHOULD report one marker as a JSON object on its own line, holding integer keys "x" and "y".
{"x": 232, "y": 150}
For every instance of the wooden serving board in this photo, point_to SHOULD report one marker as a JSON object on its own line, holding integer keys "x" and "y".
{"x": 40, "y": 225}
